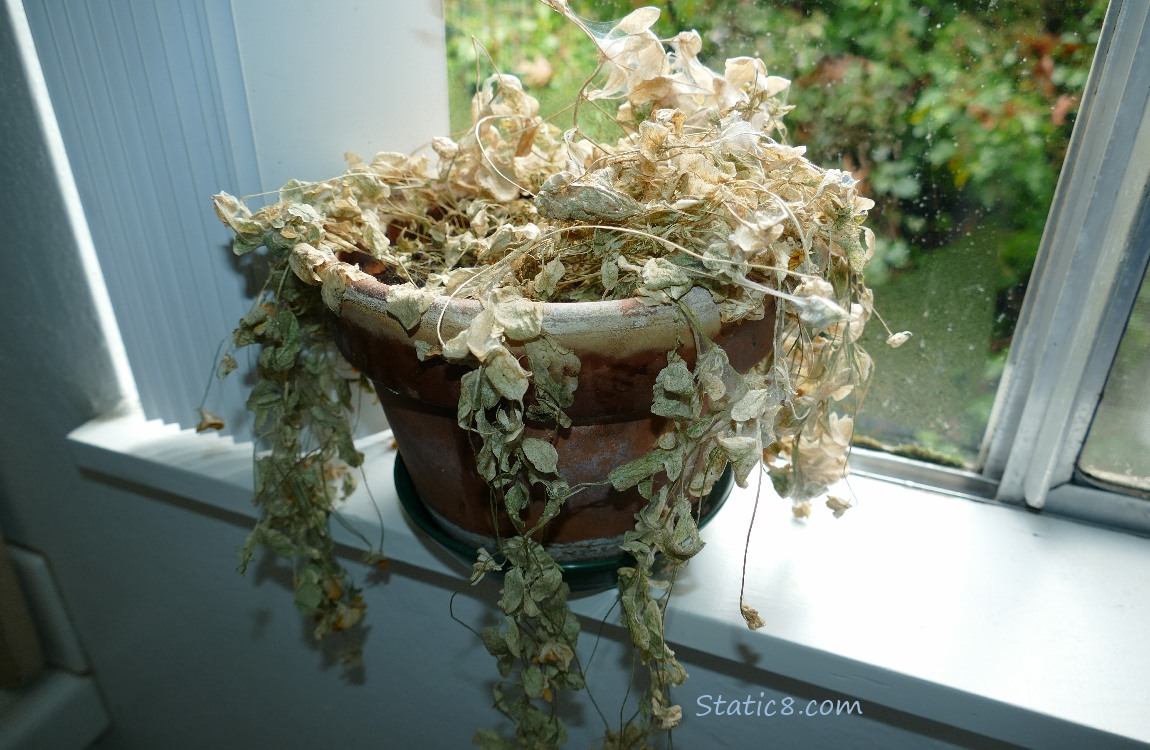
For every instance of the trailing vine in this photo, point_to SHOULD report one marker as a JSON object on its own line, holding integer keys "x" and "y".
{"x": 301, "y": 403}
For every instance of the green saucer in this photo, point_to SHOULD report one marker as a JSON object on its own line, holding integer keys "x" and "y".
{"x": 593, "y": 575}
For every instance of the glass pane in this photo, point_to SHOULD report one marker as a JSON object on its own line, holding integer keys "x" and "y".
{"x": 954, "y": 114}
{"x": 1117, "y": 448}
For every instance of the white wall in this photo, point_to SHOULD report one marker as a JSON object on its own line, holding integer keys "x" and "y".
{"x": 311, "y": 97}
{"x": 189, "y": 654}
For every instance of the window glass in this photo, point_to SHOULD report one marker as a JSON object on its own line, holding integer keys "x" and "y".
{"x": 954, "y": 114}
{"x": 1117, "y": 448}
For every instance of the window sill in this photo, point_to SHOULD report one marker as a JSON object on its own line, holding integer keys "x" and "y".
{"x": 1021, "y": 627}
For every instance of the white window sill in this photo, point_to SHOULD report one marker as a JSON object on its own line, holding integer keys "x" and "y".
{"x": 1020, "y": 627}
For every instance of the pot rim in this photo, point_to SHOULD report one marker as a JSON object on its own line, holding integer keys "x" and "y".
{"x": 365, "y": 302}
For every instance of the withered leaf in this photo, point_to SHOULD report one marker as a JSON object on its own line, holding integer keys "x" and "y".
{"x": 541, "y": 455}
{"x": 407, "y": 304}
{"x": 744, "y": 454}
{"x": 506, "y": 376}
{"x": 521, "y": 319}
{"x": 752, "y": 405}
{"x": 209, "y": 421}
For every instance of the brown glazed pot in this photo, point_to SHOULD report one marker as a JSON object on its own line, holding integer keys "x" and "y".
{"x": 622, "y": 346}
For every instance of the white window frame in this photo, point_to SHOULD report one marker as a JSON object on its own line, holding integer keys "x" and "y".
{"x": 1049, "y": 391}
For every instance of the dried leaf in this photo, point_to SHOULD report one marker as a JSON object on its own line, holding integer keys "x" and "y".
{"x": 593, "y": 199}
{"x": 506, "y": 376}
{"x": 637, "y": 21}
{"x": 666, "y": 717}
{"x": 652, "y": 136}
{"x": 751, "y": 615}
{"x": 744, "y": 454}
{"x": 895, "y": 340}
{"x": 209, "y": 421}
{"x": 307, "y": 261}
{"x": 227, "y": 366}
{"x": 521, "y": 319}
{"x": 425, "y": 351}
{"x": 556, "y": 375}
{"x": 533, "y": 682}
{"x": 685, "y": 539}
{"x": 838, "y": 505}
{"x": 711, "y": 369}
{"x": 407, "y": 304}
{"x": 675, "y": 377}
{"x": 482, "y": 336}
{"x": 337, "y": 277}
{"x": 455, "y": 348}
{"x": 484, "y": 564}
{"x": 541, "y": 455}
{"x": 664, "y": 276}
{"x": 236, "y": 215}
{"x": 631, "y": 473}
{"x": 819, "y": 312}
{"x": 609, "y": 273}
{"x": 547, "y": 279}
{"x": 752, "y": 405}
{"x": 514, "y": 590}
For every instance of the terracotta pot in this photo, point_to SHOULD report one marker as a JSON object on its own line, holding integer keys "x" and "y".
{"x": 622, "y": 346}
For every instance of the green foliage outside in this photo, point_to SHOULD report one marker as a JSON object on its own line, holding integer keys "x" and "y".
{"x": 955, "y": 115}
